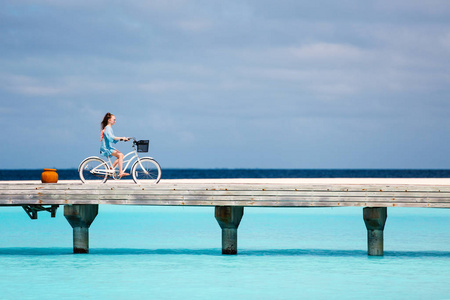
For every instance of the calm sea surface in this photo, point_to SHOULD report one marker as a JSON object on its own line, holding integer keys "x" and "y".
{"x": 175, "y": 252}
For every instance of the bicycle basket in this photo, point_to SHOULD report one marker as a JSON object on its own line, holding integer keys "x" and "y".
{"x": 142, "y": 146}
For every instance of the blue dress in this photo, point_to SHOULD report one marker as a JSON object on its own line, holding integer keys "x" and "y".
{"x": 107, "y": 141}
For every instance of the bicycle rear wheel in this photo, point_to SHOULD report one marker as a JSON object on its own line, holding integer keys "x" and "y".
{"x": 146, "y": 172}
{"x": 93, "y": 170}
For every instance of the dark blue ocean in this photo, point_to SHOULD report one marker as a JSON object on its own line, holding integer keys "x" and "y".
{"x": 175, "y": 252}
{"x": 70, "y": 174}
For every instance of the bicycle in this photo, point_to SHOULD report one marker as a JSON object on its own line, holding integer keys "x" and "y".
{"x": 144, "y": 170}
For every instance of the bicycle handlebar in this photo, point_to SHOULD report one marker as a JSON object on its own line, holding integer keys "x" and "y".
{"x": 129, "y": 138}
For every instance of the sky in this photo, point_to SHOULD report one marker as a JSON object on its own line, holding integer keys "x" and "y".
{"x": 228, "y": 84}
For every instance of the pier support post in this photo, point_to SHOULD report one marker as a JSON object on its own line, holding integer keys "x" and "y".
{"x": 80, "y": 217}
{"x": 229, "y": 218}
{"x": 375, "y": 218}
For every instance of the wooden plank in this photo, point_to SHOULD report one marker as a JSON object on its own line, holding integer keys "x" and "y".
{"x": 255, "y": 194}
{"x": 300, "y": 197}
{"x": 272, "y": 191}
{"x": 215, "y": 200}
{"x": 240, "y": 203}
{"x": 293, "y": 196}
{"x": 231, "y": 187}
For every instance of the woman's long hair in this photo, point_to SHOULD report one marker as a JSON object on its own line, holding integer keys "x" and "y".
{"x": 105, "y": 120}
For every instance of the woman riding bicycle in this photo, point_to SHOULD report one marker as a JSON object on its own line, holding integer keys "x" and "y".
{"x": 108, "y": 139}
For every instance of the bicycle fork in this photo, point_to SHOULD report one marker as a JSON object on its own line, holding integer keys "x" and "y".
{"x": 142, "y": 167}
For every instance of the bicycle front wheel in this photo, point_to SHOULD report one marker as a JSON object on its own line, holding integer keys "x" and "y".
{"x": 93, "y": 170}
{"x": 146, "y": 171}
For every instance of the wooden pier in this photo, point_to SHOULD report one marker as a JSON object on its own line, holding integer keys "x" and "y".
{"x": 229, "y": 197}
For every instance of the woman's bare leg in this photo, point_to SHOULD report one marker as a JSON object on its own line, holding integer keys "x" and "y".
{"x": 119, "y": 161}
{"x": 115, "y": 163}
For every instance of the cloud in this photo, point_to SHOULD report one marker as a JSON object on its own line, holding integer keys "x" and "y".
{"x": 160, "y": 86}
{"x": 195, "y": 25}
{"x": 327, "y": 52}
{"x": 29, "y": 86}
{"x": 432, "y": 8}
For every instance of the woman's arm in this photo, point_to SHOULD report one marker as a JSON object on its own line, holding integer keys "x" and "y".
{"x": 110, "y": 135}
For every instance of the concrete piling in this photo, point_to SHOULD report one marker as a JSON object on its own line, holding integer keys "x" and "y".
{"x": 229, "y": 218}
{"x": 375, "y": 219}
{"x": 80, "y": 217}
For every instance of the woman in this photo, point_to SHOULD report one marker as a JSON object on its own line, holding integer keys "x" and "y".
{"x": 108, "y": 139}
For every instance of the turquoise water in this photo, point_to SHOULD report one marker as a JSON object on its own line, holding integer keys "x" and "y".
{"x": 175, "y": 252}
